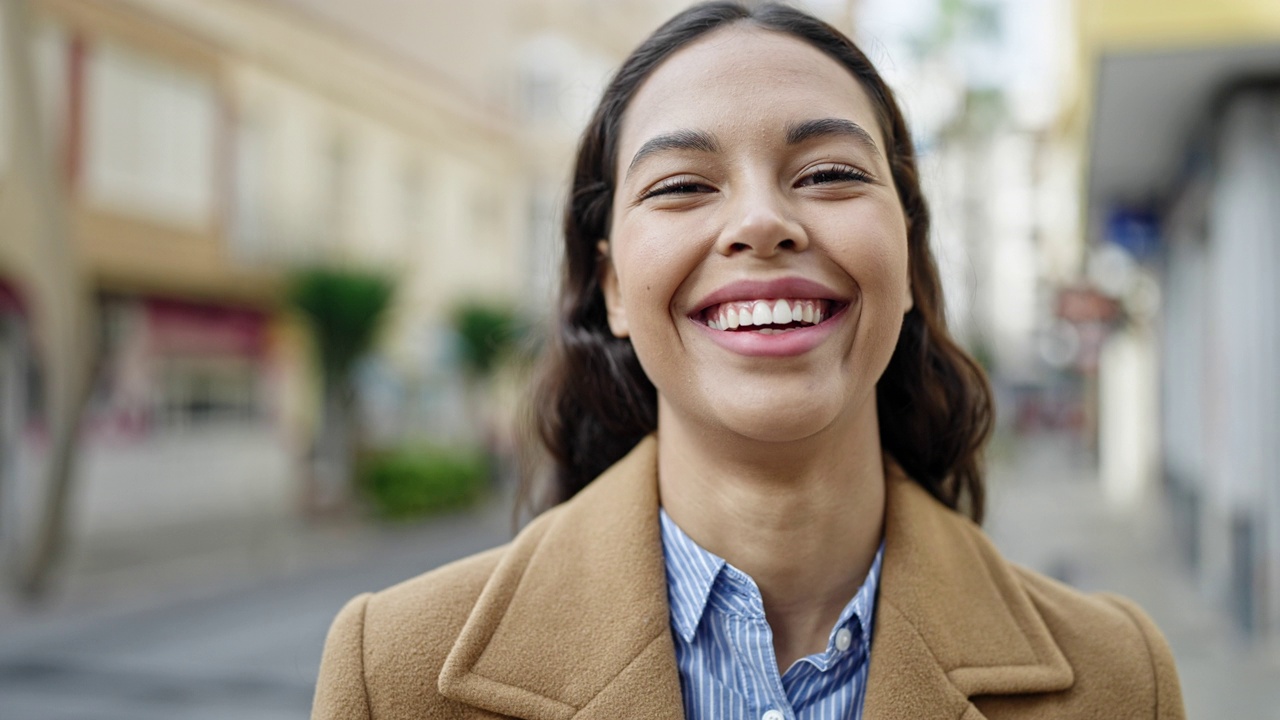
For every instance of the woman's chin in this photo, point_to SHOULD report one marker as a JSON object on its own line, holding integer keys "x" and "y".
{"x": 781, "y": 424}
{"x": 774, "y": 412}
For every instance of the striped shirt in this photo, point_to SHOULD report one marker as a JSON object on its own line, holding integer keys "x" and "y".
{"x": 724, "y": 647}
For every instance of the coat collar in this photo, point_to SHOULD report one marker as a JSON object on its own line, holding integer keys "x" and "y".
{"x": 574, "y": 622}
{"x": 953, "y": 620}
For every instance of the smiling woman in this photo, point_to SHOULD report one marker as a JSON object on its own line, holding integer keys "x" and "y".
{"x": 763, "y": 441}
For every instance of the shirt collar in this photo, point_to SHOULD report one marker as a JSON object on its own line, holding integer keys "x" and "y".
{"x": 861, "y": 608}
{"x": 692, "y": 573}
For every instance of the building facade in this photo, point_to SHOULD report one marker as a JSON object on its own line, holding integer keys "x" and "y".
{"x": 205, "y": 151}
{"x": 1180, "y": 118}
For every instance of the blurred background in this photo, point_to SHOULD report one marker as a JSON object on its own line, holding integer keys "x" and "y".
{"x": 271, "y": 273}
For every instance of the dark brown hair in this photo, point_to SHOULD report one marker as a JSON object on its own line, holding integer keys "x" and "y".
{"x": 592, "y": 401}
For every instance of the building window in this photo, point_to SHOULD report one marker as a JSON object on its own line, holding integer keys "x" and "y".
{"x": 333, "y": 215}
{"x": 199, "y": 391}
{"x": 150, "y": 136}
{"x": 250, "y": 227}
{"x": 416, "y": 213}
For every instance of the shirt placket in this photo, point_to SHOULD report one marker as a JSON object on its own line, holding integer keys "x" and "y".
{"x": 752, "y": 642}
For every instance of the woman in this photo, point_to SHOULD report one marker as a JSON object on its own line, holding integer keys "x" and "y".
{"x": 752, "y": 357}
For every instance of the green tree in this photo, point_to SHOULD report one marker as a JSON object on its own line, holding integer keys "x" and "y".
{"x": 488, "y": 334}
{"x": 344, "y": 308}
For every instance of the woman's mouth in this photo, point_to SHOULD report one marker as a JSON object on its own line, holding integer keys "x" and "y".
{"x": 769, "y": 316}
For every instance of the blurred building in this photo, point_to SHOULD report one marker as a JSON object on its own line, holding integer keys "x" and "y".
{"x": 206, "y": 150}
{"x": 984, "y": 85}
{"x": 1180, "y": 115}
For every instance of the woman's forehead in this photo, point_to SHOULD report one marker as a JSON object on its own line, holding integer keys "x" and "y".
{"x": 743, "y": 75}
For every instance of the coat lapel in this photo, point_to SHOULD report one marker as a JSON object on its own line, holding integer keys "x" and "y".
{"x": 952, "y": 620}
{"x": 574, "y": 622}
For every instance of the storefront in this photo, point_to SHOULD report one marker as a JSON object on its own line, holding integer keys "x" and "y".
{"x": 175, "y": 365}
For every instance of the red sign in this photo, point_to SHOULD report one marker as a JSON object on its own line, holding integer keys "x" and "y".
{"x": 1086, "y": 305}
{"x": 183, "y": 328}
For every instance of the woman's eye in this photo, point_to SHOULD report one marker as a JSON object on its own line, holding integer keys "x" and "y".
{"x": 834, "y": 174}
{"x": 678, "y": 186}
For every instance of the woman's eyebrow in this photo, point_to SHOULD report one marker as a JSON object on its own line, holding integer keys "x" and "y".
{"x": 699, "y": 140}
{"x": 809, "y": 129}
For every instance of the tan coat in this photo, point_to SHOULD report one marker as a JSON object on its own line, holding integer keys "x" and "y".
{"x": 570, "y": 620}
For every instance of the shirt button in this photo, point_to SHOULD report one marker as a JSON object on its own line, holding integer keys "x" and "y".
{"x": 844, "y": 639}
{"x": 773, "y": 715}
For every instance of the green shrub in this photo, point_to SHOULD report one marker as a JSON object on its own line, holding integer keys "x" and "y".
{"x": 412, "y": 482}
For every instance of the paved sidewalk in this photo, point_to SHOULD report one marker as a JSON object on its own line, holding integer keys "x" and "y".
{"x": 1046, "y": 510}
{"x": 234, "y": 631}
{"x": 166, "y": 565}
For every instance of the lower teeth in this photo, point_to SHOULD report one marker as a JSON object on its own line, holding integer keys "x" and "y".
{"x": 765, "y": 330}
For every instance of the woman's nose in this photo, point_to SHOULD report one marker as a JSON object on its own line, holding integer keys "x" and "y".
{"x": 761, "y": 223}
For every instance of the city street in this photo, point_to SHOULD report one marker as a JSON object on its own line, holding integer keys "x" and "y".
{"x": 228, "y": 643}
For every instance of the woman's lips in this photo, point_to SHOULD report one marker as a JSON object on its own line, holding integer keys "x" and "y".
{"x": 774, "y": 341}
{"x": 770, "y": 318}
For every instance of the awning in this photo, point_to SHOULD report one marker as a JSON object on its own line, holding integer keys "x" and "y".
{"x": 1148, "y": 107}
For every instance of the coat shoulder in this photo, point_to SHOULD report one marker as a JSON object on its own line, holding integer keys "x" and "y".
{"x": 1111, "y": 633}
{"x": 385, "y": 649}
{"x": 1117, "y": 655}
{"x": 432, "y": 607}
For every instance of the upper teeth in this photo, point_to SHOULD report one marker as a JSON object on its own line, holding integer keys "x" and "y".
{"x": 757, "y": 313}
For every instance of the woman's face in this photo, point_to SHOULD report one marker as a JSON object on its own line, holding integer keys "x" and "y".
{"x": 757, "y": 256}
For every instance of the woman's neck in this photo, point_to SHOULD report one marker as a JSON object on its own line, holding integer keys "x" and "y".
{"x": 803, "y": 518}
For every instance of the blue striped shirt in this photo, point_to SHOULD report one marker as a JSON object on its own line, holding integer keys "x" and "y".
{"x": 724, "y": 647}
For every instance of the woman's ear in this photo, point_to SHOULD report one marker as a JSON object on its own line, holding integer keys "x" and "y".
{"x": 617, "y": 312}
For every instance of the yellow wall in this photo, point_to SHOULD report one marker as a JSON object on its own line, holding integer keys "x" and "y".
{"x": 1136, "y": 24}
{"x": 133, "y": 255}
{"x": 1118, "y": 26}
{"x": 471, "y": 153}
{"x": 1104, "y": 26}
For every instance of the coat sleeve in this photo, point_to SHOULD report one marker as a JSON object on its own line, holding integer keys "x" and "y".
{"x": 340, "y": 689}
{"x": 1168, "y": 690}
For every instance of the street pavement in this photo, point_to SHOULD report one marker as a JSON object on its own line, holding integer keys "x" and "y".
{"x": 236, "y": 631}
{"x": 1047, "y": 511}
{"x": 213, "y": 636}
